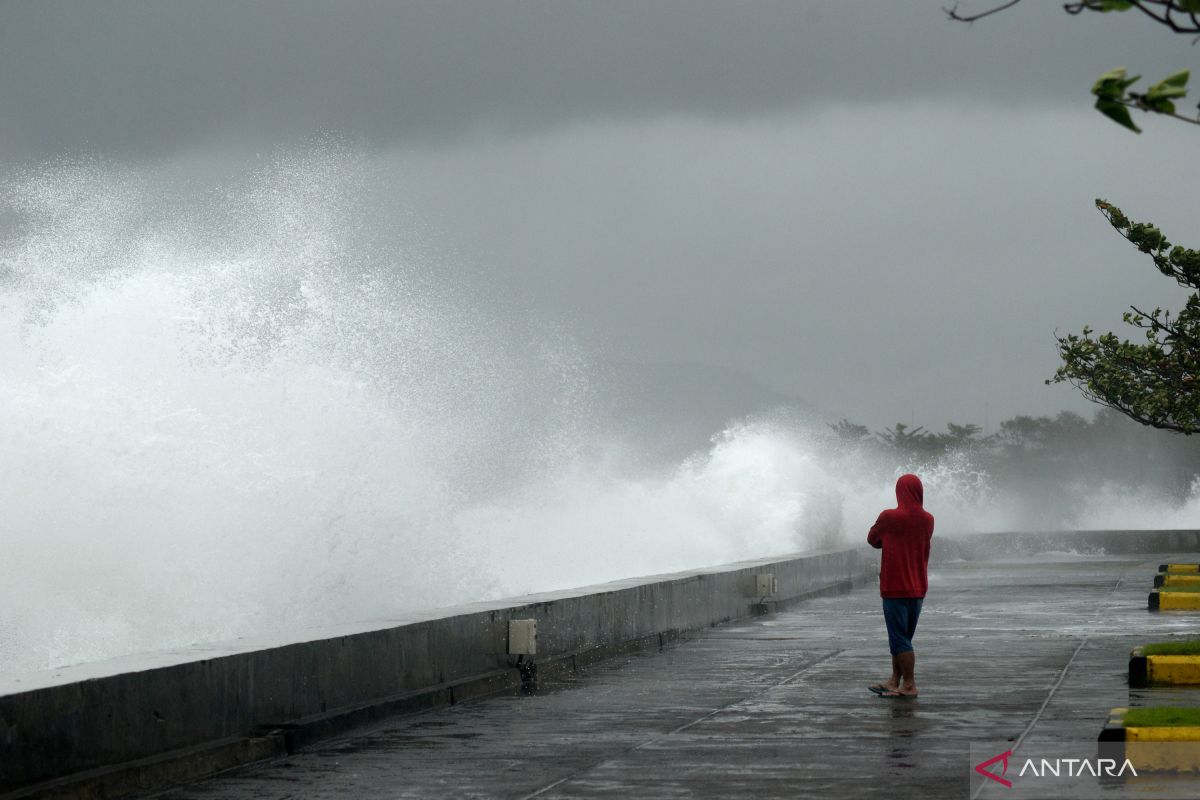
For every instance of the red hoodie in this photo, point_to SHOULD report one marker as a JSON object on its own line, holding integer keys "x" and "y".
{"x": 904, "y": 533}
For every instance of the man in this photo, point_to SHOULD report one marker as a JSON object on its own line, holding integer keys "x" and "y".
{"x": 903, "y": 533}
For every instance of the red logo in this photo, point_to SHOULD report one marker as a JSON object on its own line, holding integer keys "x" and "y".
{"x": 982, "y": 768}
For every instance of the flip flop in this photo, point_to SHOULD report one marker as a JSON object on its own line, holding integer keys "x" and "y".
{"x": 897, "y": 694}
{"x": 877, "y": 688}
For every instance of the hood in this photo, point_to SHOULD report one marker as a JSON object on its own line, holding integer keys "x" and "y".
{"x": 909, "y": 491}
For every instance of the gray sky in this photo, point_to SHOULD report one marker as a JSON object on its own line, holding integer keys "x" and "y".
{"x": 154, "y": 76}
{"x": 858, "y": 202}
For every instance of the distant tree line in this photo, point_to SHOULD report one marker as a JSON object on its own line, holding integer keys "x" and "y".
{"x": 1048, "y": 458}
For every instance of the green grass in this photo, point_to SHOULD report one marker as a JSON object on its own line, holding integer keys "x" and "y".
{"x": 1160, "y": 717}
{"x": 1172, "y": 649}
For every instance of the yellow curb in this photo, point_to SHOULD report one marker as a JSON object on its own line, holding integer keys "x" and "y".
{"x": 1175, "y": 601}
{"x": 1180, "y": 670}
{"x": 1165, "y": 748}
{"x": 1164, "y": 734}
{"x": 1176, "y": 579}
{"x": 1192, "y": 568}
{"x": 1171, "y": 753}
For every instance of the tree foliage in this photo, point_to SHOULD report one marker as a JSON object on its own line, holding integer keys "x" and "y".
{"x": 848, "y": 432}
{"x": 909, "y": 442}
{"x": 1114, "y": 97}
{"x": 1153, "y": 381}
{"x": 1114, "y": 90}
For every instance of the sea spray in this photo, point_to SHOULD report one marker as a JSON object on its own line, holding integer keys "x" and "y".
{"x": 229, "y": 412}
{"x": 266, "y": 403}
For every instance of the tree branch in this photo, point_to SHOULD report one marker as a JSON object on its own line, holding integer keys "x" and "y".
{"x": 1138, "y": 104}
{"x": 1164, "y": 17}
{"x": 1157, "y": 324}
{"x": 1134, "y": 415}
{"x": 955, "y": 16}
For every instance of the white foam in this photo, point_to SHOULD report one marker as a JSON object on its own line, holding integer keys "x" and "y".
{"x": 230, "y": 411}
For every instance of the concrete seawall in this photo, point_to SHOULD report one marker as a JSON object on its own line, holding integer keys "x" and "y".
{"x": 134, "y": 723}
{"x": 142, "y": 722}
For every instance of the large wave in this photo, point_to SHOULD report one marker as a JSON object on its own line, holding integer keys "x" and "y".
{"x": 263, "y": 404}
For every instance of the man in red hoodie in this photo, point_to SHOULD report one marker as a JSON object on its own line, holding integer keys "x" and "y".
{"x": 903, "y": 533}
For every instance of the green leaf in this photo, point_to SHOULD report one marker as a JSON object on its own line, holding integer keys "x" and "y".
{"x": 1112, "y": 84}
{"x": 1173, "y": 86}
{"x": 1110, "y": 78}
{"x": 1179, "y": 78}
{"x": 1161, "y": 106}
{"x": 1117, "y": 113}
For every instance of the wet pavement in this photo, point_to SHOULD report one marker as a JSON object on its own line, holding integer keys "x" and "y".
{"x": 1023, "y": 653}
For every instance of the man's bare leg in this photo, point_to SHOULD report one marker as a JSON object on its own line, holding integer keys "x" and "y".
{"x": 907, "y": 662}
{"x": 892, "y": 684}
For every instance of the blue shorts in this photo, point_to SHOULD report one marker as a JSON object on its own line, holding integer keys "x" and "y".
{"x": 900, "y": 614}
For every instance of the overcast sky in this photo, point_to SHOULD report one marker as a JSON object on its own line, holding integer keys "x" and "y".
{"x": 860, "y": 203}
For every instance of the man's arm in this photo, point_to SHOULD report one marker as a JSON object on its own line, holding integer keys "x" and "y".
{"x": 875, "y": 536}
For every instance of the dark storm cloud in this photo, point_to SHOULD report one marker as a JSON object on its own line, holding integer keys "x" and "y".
{"x": 129, "y": 78}
{"x": 777, "y": 187}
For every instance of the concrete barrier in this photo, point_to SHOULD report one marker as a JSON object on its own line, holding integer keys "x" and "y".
{"x": 131, "y": 724}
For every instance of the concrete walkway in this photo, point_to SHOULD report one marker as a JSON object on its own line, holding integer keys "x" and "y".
{"x": 1026, "y": 652}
